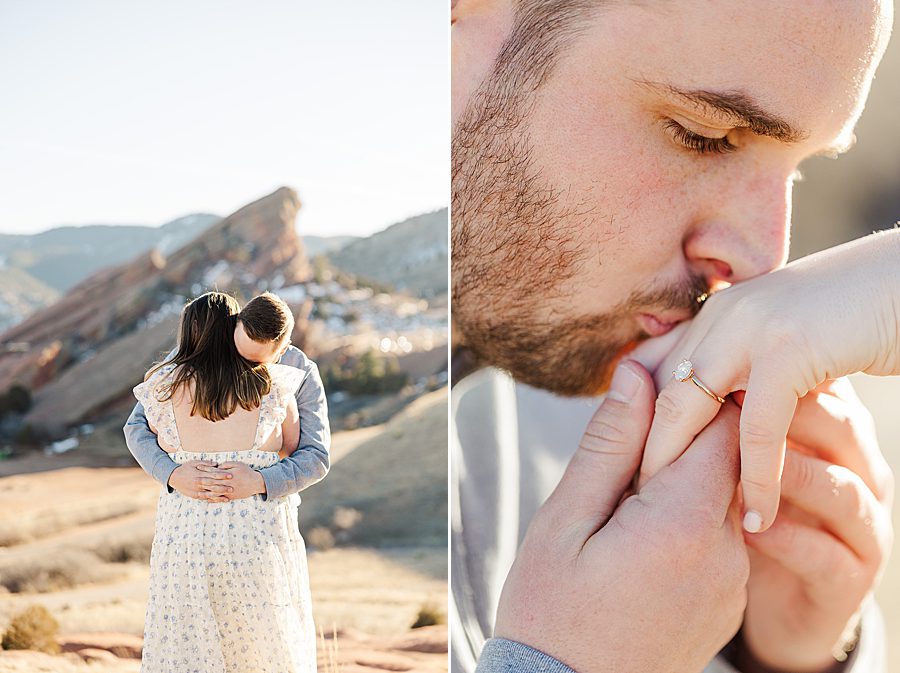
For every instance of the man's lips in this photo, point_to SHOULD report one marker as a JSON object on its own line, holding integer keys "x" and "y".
{"x": 657, "y": 325}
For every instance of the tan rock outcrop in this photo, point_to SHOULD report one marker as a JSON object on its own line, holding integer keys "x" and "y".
{"x": 87, "y": 349}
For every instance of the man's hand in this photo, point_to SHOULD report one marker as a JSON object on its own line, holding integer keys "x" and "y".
{"x": 811, "y": 571}
{"x": 245, "y": 481}
{"x": 202, "y": 480}
{"x": 656, "y": 582}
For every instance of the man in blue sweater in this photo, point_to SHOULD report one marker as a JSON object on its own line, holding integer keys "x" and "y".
{"x": 612, "y": 164}
{"x": 262, "y": 334}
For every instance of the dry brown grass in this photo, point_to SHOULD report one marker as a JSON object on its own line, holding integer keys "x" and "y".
{"x": 65, "y": 569}
{"x": 36, "y": 506}
{"x": 32, "y": 629}
{"x": 328, "y": 650}
{"x": 125, "y": 551}
{"x": 396, "y": 481}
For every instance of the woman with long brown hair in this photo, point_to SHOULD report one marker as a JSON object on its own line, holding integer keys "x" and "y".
{"x": 229, "y": 588}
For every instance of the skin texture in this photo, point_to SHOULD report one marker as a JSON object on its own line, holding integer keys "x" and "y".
{"x": 580, "y": 205}
{"x": 775, "y": 338}
{"x": 679, "y": 537}
{"x": 827, "y": 550}
{"x": 576, "y": 207}
{"x": 204, "y": 479}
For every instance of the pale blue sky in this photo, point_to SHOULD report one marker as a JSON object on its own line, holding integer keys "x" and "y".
{"x": 138, "y": 112}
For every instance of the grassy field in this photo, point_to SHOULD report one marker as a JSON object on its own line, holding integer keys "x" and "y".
{"x": 77, "y": 540}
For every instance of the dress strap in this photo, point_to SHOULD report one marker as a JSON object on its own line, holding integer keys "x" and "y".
{"x": 160, "y": 413}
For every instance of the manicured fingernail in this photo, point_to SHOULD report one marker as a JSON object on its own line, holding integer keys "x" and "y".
{"x": 625, "y": 383}
{"x": 752, "y": 521}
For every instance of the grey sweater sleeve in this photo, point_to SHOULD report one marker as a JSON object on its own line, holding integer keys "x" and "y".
{"x": 507, "y": 656}
{"x": 146, "y": 450}
{"x": 310, "y": 462}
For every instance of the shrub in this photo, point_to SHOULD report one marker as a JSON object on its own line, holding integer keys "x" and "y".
{"x": 345, "y": 518}
{"x": 33, "y": 629}
{"x": 27, "y": 437}
{"x": 124, "y": 551}
{"x": 429, "y": 615}
{"x": 321, "y": 538}
{"x": 368, "y": 375}
{"x": 62, "y": 570}
{"x": 17, "y": 399}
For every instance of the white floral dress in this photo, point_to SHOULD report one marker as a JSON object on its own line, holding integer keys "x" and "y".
{"x": 229, "y": 588}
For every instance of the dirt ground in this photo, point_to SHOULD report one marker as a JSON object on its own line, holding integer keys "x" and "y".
{"x": 76, "y": 540}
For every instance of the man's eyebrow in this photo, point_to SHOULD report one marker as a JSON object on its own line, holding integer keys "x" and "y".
{"x": 737, "y": 106}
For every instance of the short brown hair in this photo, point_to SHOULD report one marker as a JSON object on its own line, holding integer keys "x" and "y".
{"x": 207, "y": 354}
{"x": 267, "y": 318}
{"x": 541, "y": 31}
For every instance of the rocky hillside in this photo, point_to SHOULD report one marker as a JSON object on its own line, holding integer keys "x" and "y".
{"x": 126, "y": 314}
{"x": 63, "y": 256}
{"x": 391, "y": 490}
{"x": 36, "y": 269}
{"x": 326, "y": 245}
{"x": 20, "y": 295}
{"x": 410, "y": 256}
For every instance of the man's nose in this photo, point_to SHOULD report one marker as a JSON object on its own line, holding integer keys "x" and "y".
{"x": 745, "y": 232}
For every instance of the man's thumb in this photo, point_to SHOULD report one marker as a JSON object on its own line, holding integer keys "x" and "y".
{"x": 608, "y": 455}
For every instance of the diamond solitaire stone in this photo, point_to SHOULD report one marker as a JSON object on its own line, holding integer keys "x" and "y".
{"x": 683, "y": 371}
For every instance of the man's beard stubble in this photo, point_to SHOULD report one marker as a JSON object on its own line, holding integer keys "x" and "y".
{"x": 512, "y": 252}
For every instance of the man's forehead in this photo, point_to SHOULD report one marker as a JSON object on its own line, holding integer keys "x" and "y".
{"x": 806, "y": 64}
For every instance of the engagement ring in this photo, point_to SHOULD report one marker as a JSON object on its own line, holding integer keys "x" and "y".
{"x": 685, "y": 371}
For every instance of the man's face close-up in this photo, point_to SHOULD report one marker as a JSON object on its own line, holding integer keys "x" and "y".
{"x": 609, "y": 172}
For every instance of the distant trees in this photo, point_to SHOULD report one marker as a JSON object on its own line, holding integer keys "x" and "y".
{"x": 369, "y": 374}
{"x": 13, "y": 404}
{"x": 17, "y": 400}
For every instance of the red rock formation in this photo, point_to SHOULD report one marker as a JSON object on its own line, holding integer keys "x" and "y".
{"x": 96, "y": 327}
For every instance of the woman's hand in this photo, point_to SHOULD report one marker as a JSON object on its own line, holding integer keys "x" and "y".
{"x": 202, "y": 480}
{"x": 245, "y": 480}
{"x": 810, "y": 572}
{"x": 777, "y": 337}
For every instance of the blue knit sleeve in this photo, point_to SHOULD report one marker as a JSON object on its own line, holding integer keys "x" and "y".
{"x": 507, "y": 656}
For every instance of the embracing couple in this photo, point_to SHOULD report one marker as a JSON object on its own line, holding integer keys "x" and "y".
{"x": 233, "y": 423}
{"x": 621, "y": 200}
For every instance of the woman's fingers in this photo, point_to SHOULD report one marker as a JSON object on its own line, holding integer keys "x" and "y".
{"x": 682, "y": 411}
{"x": 766, "y": 414}
{"x": 653, "y": 352}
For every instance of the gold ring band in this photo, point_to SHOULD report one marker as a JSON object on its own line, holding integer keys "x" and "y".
{"x": 685, "y": 371}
